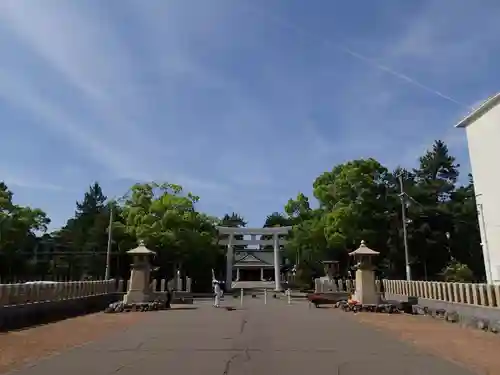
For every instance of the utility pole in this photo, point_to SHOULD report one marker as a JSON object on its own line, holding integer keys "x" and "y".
{"x": 110, "y": 240}
{"x": 402, "y": 196}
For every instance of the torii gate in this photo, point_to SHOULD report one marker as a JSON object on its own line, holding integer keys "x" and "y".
{"x": 230, "y": 242}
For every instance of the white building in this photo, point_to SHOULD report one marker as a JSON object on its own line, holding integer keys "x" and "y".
{"x": 482, "y": 127}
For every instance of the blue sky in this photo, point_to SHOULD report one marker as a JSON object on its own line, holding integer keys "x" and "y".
{"x": 243, "y": 102}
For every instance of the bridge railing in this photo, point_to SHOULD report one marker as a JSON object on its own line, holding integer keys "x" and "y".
{"x": 466, "y": 293}
{"x": 24, "y": 293}
{"x": 487, "y": 295}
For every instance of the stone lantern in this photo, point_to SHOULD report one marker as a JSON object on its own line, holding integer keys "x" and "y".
{"x": 139, "y": 290}
{"x": 366, "y": 290}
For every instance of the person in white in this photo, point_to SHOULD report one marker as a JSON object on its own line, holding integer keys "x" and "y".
{"x": 217, "y": 292}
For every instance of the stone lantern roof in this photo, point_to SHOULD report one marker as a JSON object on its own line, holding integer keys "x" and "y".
{"x": 141, "y": 250}
{"x": 363, "y": 250}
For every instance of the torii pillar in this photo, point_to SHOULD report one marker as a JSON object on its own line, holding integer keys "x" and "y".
{"x": 277, "y": 265}
{"x": 229, "y": 263}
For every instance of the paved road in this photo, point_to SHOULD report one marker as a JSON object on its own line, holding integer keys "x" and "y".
{"x": 257, "y": 339}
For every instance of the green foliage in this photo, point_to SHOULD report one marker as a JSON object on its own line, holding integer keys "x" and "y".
{"x": 357, "y": 200}
{"x": 165, "y": 218}
{"x": 233, "y": 221}
{"x": 458, "y": 273}
{"x": 19, "y": 227}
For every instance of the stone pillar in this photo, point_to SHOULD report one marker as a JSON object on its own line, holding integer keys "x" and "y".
{"x": 238, "y": 274}
{"x": 139, "y": 290}
{"x": 178, "y": 281}
{"x": 261, "y": 273}
{"x": 277, "y": 264}
{"x": 229, "y": 263}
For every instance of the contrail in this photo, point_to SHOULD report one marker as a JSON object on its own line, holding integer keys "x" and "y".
{"x": 287, "y": 24}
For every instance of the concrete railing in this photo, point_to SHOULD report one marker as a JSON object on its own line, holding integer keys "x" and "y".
{"x": 28, "y": 304}
{"x": 466, "y": 293}
{"x": 25, "y": 293}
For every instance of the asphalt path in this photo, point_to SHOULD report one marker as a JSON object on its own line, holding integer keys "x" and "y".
{"x": 256, "y": 338}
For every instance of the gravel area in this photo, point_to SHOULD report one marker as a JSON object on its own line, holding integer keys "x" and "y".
{"x": 19, "y": 348}
{"x": 474, "y": 349}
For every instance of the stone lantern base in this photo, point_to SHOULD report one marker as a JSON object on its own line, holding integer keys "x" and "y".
{"x": 366, "y": 291}
{"x": 136, "y": 297}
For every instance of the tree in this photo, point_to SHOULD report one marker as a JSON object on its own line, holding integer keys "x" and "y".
{"x": 298, "y": 209}
{"x": 82, "y": 242}
{"x": 19, "y": 226}
{"x": 357, "y": 200}
{"x": 354, "y": 203}
{"x": 307, "y": 245}
{"x": 437, "y": 174}
{"x": 432, "y": 219}
{"x": 360, "y": 200}
{"x": 275, "y": 219}
{"x": 465, "y": 238}
{"x": 165, "y": 218}
{"x": 234, "y": 220}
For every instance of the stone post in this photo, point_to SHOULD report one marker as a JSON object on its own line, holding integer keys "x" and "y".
{"x": 229, "y": 263}
{"x": 178, "y": 281}
{"x": 277, "y": 263}
{"x": 317, "y": 285}
{"x": 366, "y": 290}
{"x": 139, "y": 290}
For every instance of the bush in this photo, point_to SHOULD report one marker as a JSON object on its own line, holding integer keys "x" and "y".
{"x": 457, "y": 272}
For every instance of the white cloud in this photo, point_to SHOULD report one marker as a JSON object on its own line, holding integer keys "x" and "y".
{"x": 132, "y": 97}
{"x": 18, "y": 92}
{"x": 448, "y": 40}
{"x": 437, "y": 60}
{"x": 92, "y": 59}
{"x": 19, "y": 179}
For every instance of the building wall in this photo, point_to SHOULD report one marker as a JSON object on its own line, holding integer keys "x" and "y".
{"x": 483, "y": 138}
